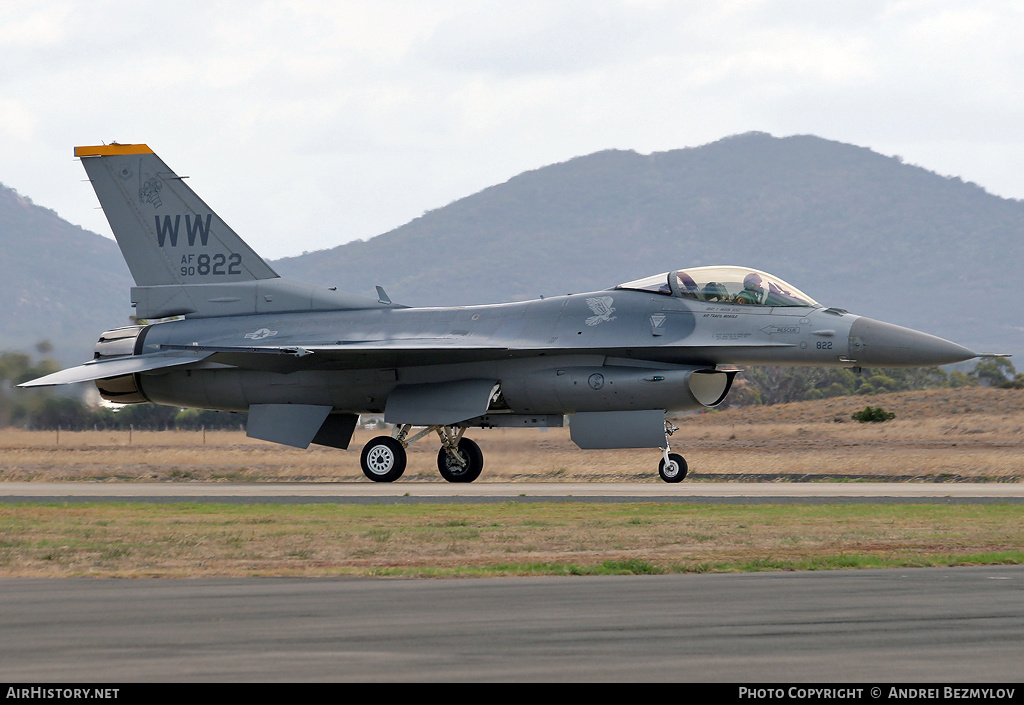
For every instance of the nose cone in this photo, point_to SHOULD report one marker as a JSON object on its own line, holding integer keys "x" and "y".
{"x": 878, "y": 344}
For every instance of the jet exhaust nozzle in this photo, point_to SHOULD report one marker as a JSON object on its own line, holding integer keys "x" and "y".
{"x": 120, "y": 342}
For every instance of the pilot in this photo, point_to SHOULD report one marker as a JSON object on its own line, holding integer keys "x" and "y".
{"x": 714, "y": 291}
{"x": 752, "y": 291}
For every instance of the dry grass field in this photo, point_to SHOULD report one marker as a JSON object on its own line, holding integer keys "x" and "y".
{"x": 123, "y": 539}
{"x": 955, "y": 435}
{"x": 968, "y": 434}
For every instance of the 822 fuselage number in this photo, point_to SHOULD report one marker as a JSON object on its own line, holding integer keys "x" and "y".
{"x": 824, "y": 345}
{"x": 218, "y": 264}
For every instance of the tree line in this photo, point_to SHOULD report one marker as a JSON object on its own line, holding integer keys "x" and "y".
{"x": 780, "y": 385}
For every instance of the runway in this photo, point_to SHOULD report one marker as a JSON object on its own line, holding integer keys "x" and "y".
{"x": 864, "y": 626}
{"x": 919, "y": 625}
{"x": 501, "y": 491}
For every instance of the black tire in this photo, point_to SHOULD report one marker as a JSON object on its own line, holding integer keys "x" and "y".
{"x": 383, "y": 459}
{"x": 676, "y": 469}
{"x": 471, "y": 453}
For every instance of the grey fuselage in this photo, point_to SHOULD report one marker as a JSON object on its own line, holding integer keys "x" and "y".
{"x": 542, "y": 353}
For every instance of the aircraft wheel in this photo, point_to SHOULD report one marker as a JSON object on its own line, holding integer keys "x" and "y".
{"x": 383, "y": 459}
{"x": 675, "y": 471}
{"x": 470, "y": 452}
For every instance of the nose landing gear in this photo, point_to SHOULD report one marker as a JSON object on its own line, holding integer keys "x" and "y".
{"x": 672, "y": 467}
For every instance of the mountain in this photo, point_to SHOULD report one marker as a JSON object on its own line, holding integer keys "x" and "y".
{"x": 849, "y": 227}
{"x": 60, "y": 283}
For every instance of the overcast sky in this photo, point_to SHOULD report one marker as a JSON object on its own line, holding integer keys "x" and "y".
{"x": 309, "y": 124}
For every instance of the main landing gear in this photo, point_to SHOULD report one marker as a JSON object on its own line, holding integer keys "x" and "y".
{"x": 672, "y": 467}
{"x": 459, "y": 460}
{"x": 383, "y": 459}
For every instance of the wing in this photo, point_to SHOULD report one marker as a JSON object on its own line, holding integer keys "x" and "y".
{"x": 413, "y": 352}
{"x": 361, "y": 355}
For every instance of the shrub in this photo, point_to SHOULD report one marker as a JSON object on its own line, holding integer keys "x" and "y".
{"x": 873, "y": 414}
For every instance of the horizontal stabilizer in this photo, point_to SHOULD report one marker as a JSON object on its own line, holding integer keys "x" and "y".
{"x": 115, "y": 367}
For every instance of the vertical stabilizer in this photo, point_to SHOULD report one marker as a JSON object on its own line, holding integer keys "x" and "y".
{"x": 167, "y": 234}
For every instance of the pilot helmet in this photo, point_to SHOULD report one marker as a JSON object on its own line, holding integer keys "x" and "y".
{"x": 752, "y": 282}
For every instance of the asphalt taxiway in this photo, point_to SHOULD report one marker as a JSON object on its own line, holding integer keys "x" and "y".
{"x": 926, "y": 625}
{"x": 504, "y": 491}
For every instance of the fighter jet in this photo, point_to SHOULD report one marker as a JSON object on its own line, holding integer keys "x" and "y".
{"x": 305, "y": 361}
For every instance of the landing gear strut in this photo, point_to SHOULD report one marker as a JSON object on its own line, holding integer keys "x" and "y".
{"x": 673, "y": 466}
{"x": 459, "y": 460}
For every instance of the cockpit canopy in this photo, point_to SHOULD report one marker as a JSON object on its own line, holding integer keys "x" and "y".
{"x": 724, "y": 284}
